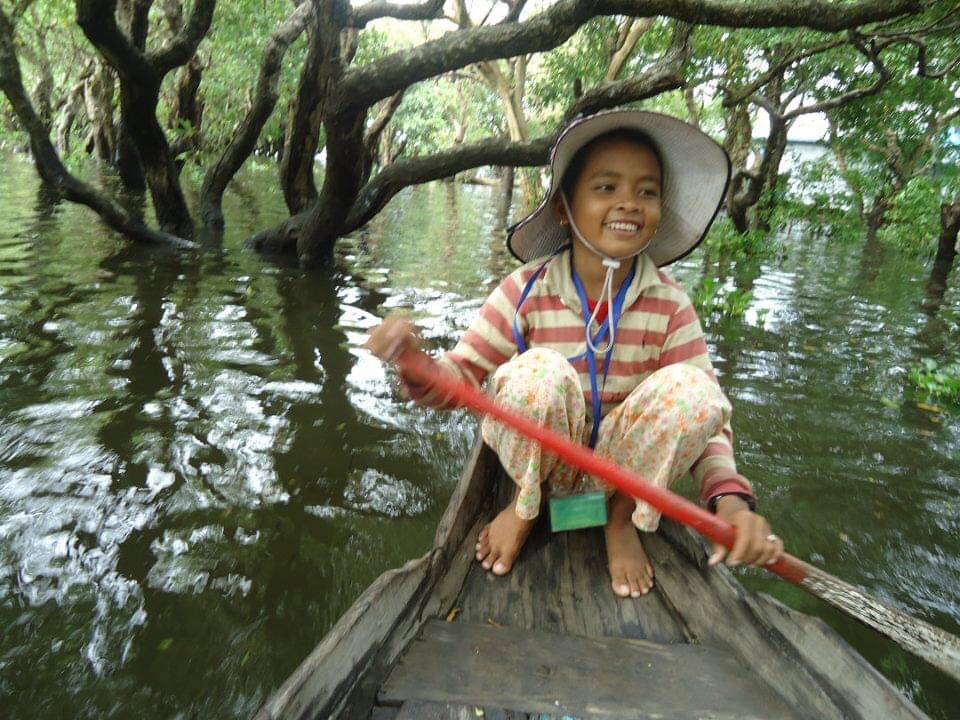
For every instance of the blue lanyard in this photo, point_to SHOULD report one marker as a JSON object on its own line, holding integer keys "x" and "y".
{"x": 591, "y": 358}
{"x": 601, "y": 331}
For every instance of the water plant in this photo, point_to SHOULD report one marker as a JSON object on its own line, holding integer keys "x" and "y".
{"x": 711, "y": 299}
{"x": 941, "y": 382}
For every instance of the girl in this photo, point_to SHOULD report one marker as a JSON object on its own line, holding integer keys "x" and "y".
{"x": 590, "y": 338}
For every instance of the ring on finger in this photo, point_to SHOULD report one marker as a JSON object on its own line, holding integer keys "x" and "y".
{"x": 772, "y": 538}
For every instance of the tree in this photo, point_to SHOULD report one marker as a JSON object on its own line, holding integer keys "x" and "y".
{"x": 881, "y": 161}
{"x": 348, "y": 199}
{"x": 338, "y": 100}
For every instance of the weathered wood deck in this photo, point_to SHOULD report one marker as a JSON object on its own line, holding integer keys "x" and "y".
{"x": 551, "y": 640}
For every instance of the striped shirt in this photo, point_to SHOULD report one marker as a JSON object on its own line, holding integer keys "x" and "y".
{"x": 658, "y": 327}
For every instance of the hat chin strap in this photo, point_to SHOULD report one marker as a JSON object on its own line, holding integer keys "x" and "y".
{"x": 611, "y": 264}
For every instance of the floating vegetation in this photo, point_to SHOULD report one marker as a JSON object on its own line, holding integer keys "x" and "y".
{"x": 940, "y": 382}
{"x": 711, "y": 299}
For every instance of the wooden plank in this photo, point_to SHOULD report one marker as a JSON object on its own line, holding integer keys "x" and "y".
{"x": 717, "y": 610}
{"x": 534, "y": 671}
{"x": 560, "y": 583}
{"x": 857, "y": 684}
{"x": 383, "y": 712}
{"x": 419, "y": 710}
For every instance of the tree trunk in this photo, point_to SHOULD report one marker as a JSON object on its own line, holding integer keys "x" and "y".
{"x": 245, "y": 138}
{"x": 98, "y": 100}
{"x": 773, "y": 152}
{"x": 306, "y": 116}
{"x": 949, "y": 228}
{"x": 186, "y": 111}
{"x": 738, "y": 131}
{"x": 506, "y": 198}
{"x": 133, "y": 18}
{"x": 43, "y": 92}
{"x": 314, "y": 231}
{"x": 141, "y": 75}
{"x": 129, "y": 165}
{"x": 876, "y": 216}
{"x": 71, "y": 108}
{"x": 160, "y": 170}
{"x": 341, "y": 185}
{"x": 693, "y": 108}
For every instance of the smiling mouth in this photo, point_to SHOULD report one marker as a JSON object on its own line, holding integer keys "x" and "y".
{"x": 623, "y": 227}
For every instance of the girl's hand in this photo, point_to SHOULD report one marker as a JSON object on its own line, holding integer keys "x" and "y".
{"x": 392, "y": 337}
{"x": 755, "y": 544}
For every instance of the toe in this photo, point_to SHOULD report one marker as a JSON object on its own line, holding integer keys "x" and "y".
{"x": 502, "y": 566}
{"x": 483, "y": 548}
{"x": 492, "y": 557}
{"x": 619, "y": 582}
{"x": 636, "y": 586}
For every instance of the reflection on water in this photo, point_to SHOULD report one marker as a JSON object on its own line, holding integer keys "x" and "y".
{"x": 200, "y": 469}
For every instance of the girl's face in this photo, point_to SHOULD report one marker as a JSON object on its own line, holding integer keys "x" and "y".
{"x": 616, "y": 200}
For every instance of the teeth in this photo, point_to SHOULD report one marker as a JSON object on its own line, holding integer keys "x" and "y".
{"x": 625, "y": 227}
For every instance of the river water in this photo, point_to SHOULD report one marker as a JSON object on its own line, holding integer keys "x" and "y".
{"x": 200, "y": 469}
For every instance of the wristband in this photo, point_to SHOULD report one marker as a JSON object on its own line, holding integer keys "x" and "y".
{"x": 748, "y": 499}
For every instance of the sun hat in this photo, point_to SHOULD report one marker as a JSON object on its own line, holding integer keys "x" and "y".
{"x": 696, "y": 171}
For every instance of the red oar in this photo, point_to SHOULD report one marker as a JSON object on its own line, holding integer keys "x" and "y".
{"x": 937, "y": 646}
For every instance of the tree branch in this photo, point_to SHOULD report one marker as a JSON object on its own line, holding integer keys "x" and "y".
{"x": 374, "y": 130}
{"x": 663, "y": 76}
{"x": 429, "y": 10}
{"x": 48, "y": 163}
{"x": 392, "y": 179}
{"x": 778, "y": 68}
{"x": 98, "y": 20}
{"x": 883, "y": 76}
{"x": 183, "y": 46}
{"x": 626, "y": 46}
{"x": 264, "y": 101}
{"x": 815, "y": 14}
{"x": 363, "y": 86}
{"x": 499, "y": 151}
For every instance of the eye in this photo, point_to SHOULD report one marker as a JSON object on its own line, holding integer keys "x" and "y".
{"x": 649, "y": 192}
{"x": 605, "y": 187}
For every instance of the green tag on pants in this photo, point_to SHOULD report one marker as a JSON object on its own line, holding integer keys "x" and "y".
{"x": 574, "y": 512}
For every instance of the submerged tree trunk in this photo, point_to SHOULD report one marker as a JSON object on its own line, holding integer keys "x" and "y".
{"x": 305, "y": 116}
{"x": 72, "y": 107}
{"x": 949, "y": 229}
{"x": 774, "y": 150}
{"x": 133, "y": 18}
{"x": 98, "y": 99}
{"x": 186, "y": 111}
{"x": 506, "y": 198}
{"x": 141, "y": 74}
{"x": 876, "y": 216}
{"x": 244, "y": 140}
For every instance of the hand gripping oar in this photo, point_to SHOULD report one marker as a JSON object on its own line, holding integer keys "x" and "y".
{"x": 934, "y": 645}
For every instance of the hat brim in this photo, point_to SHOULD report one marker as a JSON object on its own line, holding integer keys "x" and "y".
{"x": 696, "y": 171}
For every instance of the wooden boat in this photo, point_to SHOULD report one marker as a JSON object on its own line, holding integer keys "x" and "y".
{"x": 440, "y": 638}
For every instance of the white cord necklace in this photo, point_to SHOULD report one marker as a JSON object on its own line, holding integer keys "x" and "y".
{"x": 611, "y": 264}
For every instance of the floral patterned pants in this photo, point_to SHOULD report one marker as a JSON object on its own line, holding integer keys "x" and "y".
{"x": 658, "y": 431}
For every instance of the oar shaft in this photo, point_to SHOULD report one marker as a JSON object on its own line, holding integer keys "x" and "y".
{"x": 929, "y": 642}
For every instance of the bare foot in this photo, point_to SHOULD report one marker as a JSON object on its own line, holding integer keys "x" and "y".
{"x": 631, "y": 574}
{"x": 500, "y": 541}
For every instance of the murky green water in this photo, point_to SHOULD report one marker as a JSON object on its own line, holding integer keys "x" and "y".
{"x": 199, "y": 470}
